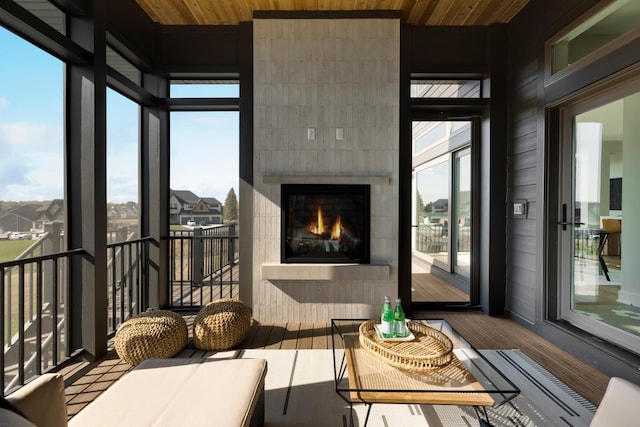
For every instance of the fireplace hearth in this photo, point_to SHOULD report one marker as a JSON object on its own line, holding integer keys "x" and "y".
{"x": 325, "y": 223}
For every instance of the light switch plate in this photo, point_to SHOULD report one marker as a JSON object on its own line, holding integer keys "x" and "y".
{"x": 520, "y": 208}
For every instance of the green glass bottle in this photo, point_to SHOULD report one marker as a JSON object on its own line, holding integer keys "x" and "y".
{"x": 387, "y": 319}
{"x": 400, "y": 324}
{"x": 387, "y": 300}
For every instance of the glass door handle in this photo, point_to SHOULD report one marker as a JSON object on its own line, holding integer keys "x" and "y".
{"x": 564, "y": 222}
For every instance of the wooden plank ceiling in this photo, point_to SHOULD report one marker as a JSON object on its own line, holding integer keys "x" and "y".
{"x": 415, "y": 12}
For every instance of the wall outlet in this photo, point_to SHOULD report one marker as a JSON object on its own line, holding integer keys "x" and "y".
{"x": 311, "y": 133}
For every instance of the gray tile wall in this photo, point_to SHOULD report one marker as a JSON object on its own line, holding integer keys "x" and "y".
{"x": 324, "y": 74}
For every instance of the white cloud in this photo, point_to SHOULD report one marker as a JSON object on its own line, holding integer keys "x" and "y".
{"x": 30, "y": 135}
{"x": 31, "y": 164}
{"x": 204, "y": 158}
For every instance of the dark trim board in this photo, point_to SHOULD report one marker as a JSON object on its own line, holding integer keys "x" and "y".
{"x": 23, "y": 23}
{"x": 327, "y": 14}
{"x": 404, "y": 156}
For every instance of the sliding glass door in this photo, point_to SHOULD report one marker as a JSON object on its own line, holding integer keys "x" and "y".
{"x": 461, "y": 255}
{"x": 441, "y": 223}
{"x": 432, "y": 212}
{"x": 598, "y": 210}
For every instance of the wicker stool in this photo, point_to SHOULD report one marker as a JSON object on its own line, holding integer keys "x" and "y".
{"x": 154, "y": 334}
{"x": 221, "y": 324}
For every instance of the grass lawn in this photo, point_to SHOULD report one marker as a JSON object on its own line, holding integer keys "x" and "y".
{"x": 10, "y": 249}
{"x": 174, "y": 227}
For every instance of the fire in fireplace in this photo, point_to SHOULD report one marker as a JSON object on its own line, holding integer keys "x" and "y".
{"x": 325, "y": 223}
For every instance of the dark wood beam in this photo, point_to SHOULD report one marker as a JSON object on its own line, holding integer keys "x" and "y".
{"x": 86, "y": 185}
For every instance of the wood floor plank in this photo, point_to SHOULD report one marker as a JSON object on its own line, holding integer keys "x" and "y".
{"x": 320, "y": 335}
{"x": 290, "y": 338}
{"x": 255, "y": 326}
{"x": 274, "y": 341}
{"x": 305, "y": 337}
{"x": 336, "y": 339}
{"x": 261, "y": 336}
{"x": 427, "y": 287}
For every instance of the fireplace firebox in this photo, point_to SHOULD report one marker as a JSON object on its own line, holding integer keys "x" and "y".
{"x": 325, "y": 223}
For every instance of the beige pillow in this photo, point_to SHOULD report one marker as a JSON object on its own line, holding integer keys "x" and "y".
{"x": 9, "y": 418}
{"x": 42, "y": 401}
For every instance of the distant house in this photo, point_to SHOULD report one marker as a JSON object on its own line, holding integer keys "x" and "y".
{"x": 52, "y": 211}
{"x": 185, "y": 206}
{"x": 122, "y": 211}
{"x": 440, "y": 205}
{"x": 21, "y": 219}
{"x": 32, "y": 217}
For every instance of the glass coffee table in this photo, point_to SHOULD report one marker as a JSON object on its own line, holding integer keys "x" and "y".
{"x": 364, "y": 377}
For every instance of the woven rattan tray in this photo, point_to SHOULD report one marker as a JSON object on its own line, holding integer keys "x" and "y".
{"x": 431, "y": 349}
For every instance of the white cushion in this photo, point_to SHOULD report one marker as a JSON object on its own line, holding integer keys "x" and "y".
{"x": 620, "y": 406}
{"x": 180, "y": 392}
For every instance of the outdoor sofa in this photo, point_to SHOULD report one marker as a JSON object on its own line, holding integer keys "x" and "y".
{"x": 158, "y": 392}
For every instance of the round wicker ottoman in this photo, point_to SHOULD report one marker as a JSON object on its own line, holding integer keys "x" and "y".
{"x": 154, "y": 334}
{"x": 221, "y": 324}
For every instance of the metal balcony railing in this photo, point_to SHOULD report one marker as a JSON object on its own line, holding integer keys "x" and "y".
{"x": 203, "y": 265}
{"x": 586, "y": 243}
{"x": 33, "y": 316}
{"x": 35, "y": 313}
{"x": 127, "y": 267}
{"x": 434, "y": 238}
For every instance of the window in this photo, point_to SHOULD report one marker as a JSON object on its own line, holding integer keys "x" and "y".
{"x": 205, "y": 89}
{"x": 122, "y": 167}
{"x": 445, "y": 89}
{"x": 428, "y": 134}
{"x": 438, "y": 136}
{"x": 31, "y": 200}
{"x": 31, "y": 143}
{"x": 203, "y": 142}
{"x": 602, "y": 29}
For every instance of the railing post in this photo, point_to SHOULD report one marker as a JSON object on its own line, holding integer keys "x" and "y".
{"x": 232, "y": 251}
{"x": 121, "y": 235}
{"x": 197, "y": 257}
{"x": 50, "y": 245}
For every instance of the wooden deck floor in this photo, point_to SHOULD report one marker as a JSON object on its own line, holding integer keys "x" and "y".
{"x": 427, "y": 287}
{"x": 85, "y": 381}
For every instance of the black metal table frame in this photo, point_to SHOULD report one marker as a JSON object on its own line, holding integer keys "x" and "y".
{"x": 339, "y": 373}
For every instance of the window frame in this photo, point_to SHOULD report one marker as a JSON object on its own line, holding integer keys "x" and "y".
{"x": 550, "y": 77}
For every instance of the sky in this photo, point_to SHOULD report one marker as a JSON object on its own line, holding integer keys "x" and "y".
{"x": 31, "y": 158}
{"x": 204, "y": 145}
